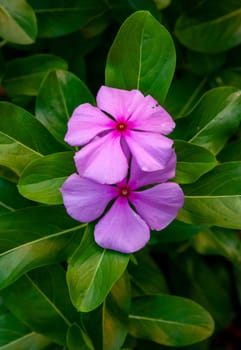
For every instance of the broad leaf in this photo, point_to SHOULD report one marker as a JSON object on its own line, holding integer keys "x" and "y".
{"x": 231, "y": 152}
{"x": 18, "y": 22}
{"x": 35, "y": 309}
{"x": 213, "y": 121}
{"x": 10, "y": 200}
{"x": 77, "y": 339}
{"x": 144, "y": 60}
{"x": 28, "y": 341}
{"x": 115, "y": 314}
{"x": 60, "y": 17}
{"x": 20, "y": 145}
{"x": 10, "y": 328}
{"x": 24, "y": 75}
{"x": 215, "y": 199}
{"x": 219, "y": 241}
{"x": 34, "y": 237}
{"x": 169, "y": 320}
{"x": 60, "y": 93}
{"x": 41, "y": 179}
{"x": 208, "y": 33}
{"x": 92, "y": 272}
{"x": 192, "y": 162}
{"x": 146, "y": 276}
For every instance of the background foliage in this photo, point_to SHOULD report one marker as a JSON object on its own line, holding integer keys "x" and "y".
{"x": 59, "y": 290}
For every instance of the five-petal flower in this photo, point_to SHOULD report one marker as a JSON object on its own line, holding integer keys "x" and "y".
{"x": 125, "y": 227}
{"x": 124, "y": 123}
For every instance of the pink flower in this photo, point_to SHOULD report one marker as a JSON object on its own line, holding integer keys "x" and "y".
{"x": 123, "y": 123}
{"x": 125, "y": 227}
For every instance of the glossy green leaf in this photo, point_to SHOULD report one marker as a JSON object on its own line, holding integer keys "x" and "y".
{"x": 230, "y": 76}
{"x": 115, "y": 314}
{"x": 219, "y": 241}
{"x": 92, "y": 272}
{"x": 34, "y": 237}
{"x": 41, "y": 179}
{"x": 60, "y": 93}
{"x": 215, "y": 199}
{"x": 213, "y": 121}
{"x": 77, "y": 339}
{"x": 22, "y": 138}
{"x": 192, "y": 162}
{"x": 210, "y": 26}
{"x": 10, "y": 200}
{"x": 169, "y": 320}
{"x": 60, "y": 17}
{"x": 18, "y": 22}
{"x": 30, "y": 305}
{"x": 24, "y": 75}
{"x": 144, "y": 60}
{"x": 26, "y": 342}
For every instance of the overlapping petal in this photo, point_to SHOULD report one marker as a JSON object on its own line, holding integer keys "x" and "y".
{"x": 151, "y": 151}
{"x": 159, "y": 205}
{"x": 102, "y": 160}
{"x": 84, "y": 199}
{"x": 85, "y": 123}
{"x": 149, "y": 116}
{"x": 117, "y": 102}
{"x": 139, "y": 178}
{"x": 122, "y": 229}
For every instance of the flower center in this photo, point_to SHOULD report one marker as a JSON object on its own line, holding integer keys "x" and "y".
{"x": 121, "y": 126}
{"x": 124, "y": 191}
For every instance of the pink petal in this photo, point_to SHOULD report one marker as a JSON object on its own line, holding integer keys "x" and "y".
{"x": 149, "y": 116}
{"x": 102, "y": 160}
{"x": 159, "y": 205}
{"x": 151, "y": 151}
{"x": 117, "y": 102}
{"x": 85, "y": 123}
{"x": 139, "y": 178}
{"x": 84, "y": 199}
{"x": 121, "y": 229}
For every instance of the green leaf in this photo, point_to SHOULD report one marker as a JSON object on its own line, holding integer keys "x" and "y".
{"x": 210, "y": 26}
{"x": 24, "y": 75}
{"x": 10, "y": 328}
{"x": 213, "y": 121}
{"x": 192, "y": 162}
{"x": 183, "y": 95}
{"x": 31, "y": 305}
{"x": 146, "y": 276}
{"x": 115, "y": 314}
{"x": 34, "y": 237}
{"x": 10, "y": 198}
{"x": 41, "y": 179}
{"x": 60, "y": 17}
{"x": 22, "y": 138}
{"x": 29, "y": 341}
{"x": 92, "y": 272}
{"x": 231, "y": 152}
{"x": 18, "y": 22}
{"x": 77, "y": 339}
{"x": 209, "y": 284}
{"x": 175, "y": 232}
{"x": 169, "y": 320}
{"x": 230, "y": 76}
{"x": 219, "y": 241}
{"x": 144, "y": 60}
{"x": 215, "y": 199}
{"x": 60, "y": 93}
